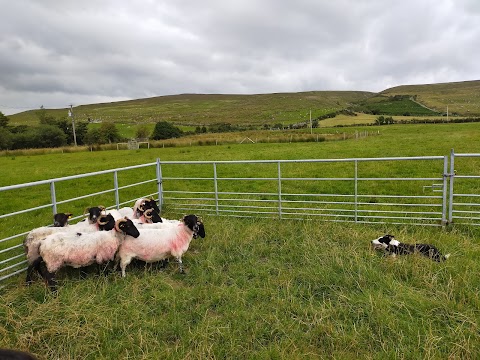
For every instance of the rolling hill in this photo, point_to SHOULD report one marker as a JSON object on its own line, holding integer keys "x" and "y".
{"x": 207, "y": 109}
{"x": 462, "y": 98}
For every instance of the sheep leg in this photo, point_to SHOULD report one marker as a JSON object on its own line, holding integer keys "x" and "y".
{"x": 48, "y": 276}
{"x": 123, "y": 264}
{"x": 180, "y": 265}
{"x": 33, "y": 266}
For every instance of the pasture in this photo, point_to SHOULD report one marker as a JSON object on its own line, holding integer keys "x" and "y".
{"x": 260, "y": 288}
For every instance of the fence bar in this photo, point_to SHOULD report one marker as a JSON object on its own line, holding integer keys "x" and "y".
{"x": 215, "y": 184}
{"x": 54, "y": 197}
{"x": 115, "y": 186}
{"x": 444, "y": 191}
{"x": 72, "y": 177}
{"x": 279, "y": 190}
{"x": 452, "y": 176}
{"x": 356, "y": 191}
{"x": 158, "y": 169}
{"x": 25, "y": 211}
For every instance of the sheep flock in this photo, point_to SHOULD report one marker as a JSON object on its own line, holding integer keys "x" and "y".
{"x": 109, "y": 236}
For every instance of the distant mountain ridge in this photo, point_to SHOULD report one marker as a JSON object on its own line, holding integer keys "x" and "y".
{"x": 461, "y": 98}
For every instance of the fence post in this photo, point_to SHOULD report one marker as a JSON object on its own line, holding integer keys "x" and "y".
{"x": 452, "y": 176}
{"x": 215, "y": 184}
{"x": 159, "y": 183}
{"x": 356, "y": 190}
{"x": 53, "y": 197}
{"x": 444, "y": 194}
{"x": 115, "y": 185}
{"x": 279, "y": 191}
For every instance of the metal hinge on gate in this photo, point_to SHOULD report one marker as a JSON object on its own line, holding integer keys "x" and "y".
{"x": 450, "y": 174}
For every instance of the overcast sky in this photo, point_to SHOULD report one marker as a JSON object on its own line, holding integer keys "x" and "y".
{"x": 60, "y": 52}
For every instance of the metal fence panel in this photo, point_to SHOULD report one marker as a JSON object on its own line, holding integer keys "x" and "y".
{"x": 42, "y": 199}
{"x": 394, "y": 190}
{"x": 464, "y": 203}
{"x": 324, "y": 189}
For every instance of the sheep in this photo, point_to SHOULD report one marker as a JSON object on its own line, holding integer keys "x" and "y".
{"x": 61, "y": 219}
{"x": 81, "y": 249}
{"x": 35, "y": 237}
{"x": 143, "y": 204}
{"x": 145, "y": 221}
{"x": 126, "y": 211}
{"x": 115, "y": 213}
{"x": 158, "y": 244}
{"x": 93, "y": 213}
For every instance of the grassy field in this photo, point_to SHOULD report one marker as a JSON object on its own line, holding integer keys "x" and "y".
{"x": 257, "y": 288}
{"x": 263, "y": 290}
{"x": 461, "y": 97}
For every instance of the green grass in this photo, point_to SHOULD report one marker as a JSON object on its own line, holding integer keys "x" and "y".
{"x": 405, "y": 106}
{"x": 262, "y": 289}
{"x": 461, "y": 97}
{"x": 257, "y": 288}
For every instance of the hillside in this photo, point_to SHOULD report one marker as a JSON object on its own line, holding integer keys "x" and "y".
{"x": 187, "y": 110}
{"x": 462, "y": 98}
{"x": 204, "y": 109}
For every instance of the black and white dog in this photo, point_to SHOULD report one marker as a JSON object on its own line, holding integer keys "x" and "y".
{"x": 394, "y": 247}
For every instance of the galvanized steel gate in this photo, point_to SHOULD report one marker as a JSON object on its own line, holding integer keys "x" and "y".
{"x": 396, "y": 190}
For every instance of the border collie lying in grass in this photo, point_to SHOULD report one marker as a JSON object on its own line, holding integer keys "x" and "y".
{"x": 394, "y": 247}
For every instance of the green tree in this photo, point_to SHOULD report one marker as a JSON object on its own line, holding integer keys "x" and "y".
{"x": 165, "y": 130}
{"x": 3, "y": 120}
{"x": 80, "y": 132}
{"x": 109, "y": 132}
{"x": 142, "y": 131}
{"x": 45, "y": 119}
{"x": 93, "y": 136}
{"x": 42, "y": 136}
{"x": 5, "y": 140}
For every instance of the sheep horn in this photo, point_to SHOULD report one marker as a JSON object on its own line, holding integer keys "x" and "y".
{"x": 118, "y": 222}
{"x": 86, "y": 211}
{"x": 102, "y": 222}
{"x": 148, "y": 213}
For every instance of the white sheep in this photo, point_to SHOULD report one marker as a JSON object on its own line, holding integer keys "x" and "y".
{"x": 158, "y": 244}
{"x": 127, "y": 211}
{"x": 81, "y": 249}
{"x": 145, "y": 222}
{"x": 143, "y": 204}
{"x": 35, "y": 237}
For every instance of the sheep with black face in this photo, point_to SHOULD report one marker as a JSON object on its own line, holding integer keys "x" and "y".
{"x": 158, "y": 244}
{"x": 79, "y": 249}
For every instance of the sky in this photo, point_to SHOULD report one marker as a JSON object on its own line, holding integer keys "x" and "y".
{"x": 54, "y": 53}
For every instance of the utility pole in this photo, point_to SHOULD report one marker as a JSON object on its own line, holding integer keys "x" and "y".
{"x": 70, "y": 113}
{"x": 311, "y": 125}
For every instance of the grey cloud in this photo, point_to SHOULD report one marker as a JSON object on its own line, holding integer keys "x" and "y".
{"x": 53, "y": 52}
